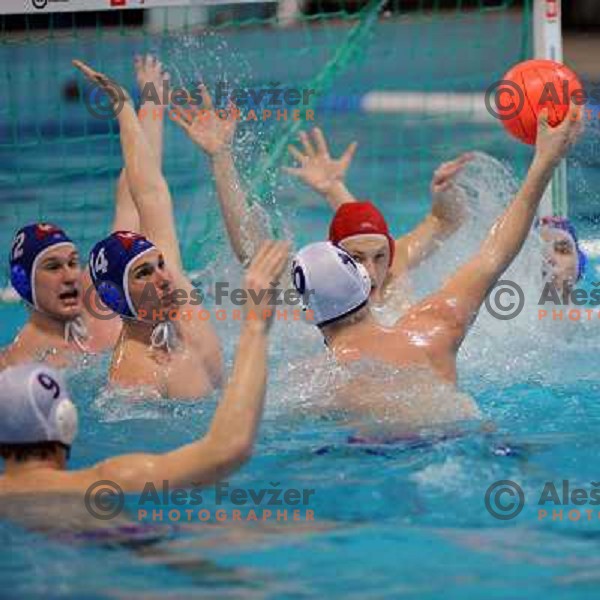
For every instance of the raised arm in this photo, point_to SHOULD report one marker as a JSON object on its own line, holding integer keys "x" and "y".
{"x": 466, "y": 290}
{"x": 325, "y": 175}
{"x": 446, "y": 216}
{"x": 151, "y": 80}
{"x": 231, "y": 436}
{"x": 214, "y": 135}
{"x": 319, "y": 171}
{"x": 146, "y": 182}
{"x": 126, "y": 217}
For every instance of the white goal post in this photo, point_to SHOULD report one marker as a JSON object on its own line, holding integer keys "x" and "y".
{"x": 547, "y": 33}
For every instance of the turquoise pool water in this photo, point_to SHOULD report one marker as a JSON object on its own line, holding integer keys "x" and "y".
{"x": 390, "y": 520}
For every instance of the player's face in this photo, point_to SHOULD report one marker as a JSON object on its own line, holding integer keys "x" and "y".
{"x": 560, "y": 257}
{"x": 373, "y": 252}
{"x": 151, "y": 285}
{"x": 58, "y": 283}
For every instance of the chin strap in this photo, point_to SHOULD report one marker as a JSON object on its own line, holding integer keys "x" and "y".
{"x": 165, "y": 337}
{"x": 76, "y": 332}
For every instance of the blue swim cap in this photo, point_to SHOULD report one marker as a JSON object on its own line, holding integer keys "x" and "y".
{"x": 110, "y": 261}
{"x": 564, "y": 224}
{"x": 35, "y": 406}
{"x": 29, "y": 245}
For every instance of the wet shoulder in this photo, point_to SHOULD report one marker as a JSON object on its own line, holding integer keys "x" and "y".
{"x": 16, "y": 354}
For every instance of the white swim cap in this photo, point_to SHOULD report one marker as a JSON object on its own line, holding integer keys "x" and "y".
{"x": 35, "y": 406}
{"x": 332, "y": 283}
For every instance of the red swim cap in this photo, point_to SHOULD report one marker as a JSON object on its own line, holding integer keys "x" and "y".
{"x": 356, "y": 218}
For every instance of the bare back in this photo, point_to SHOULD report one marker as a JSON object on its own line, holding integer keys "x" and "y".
{"x": 424, "y": 336}
{"x": 423, "y": 345}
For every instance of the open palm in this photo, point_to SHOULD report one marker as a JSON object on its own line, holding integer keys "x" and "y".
{"x": 317, "y": 168}
{"x": 212, "y": 130}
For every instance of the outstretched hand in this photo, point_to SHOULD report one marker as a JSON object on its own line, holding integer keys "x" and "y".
{"x": 553, "y": 143}
{"x": 262, "y": 275}
{"x": 317, "y": 168}
{"x": 115, "y": 92}
{"x": 211, "y": 130}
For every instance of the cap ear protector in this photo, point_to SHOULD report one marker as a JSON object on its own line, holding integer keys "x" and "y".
{"x": 64, "y": 418}
{"x": 299, "y": 282}
{"x": 582, "y": 263}
{"x": 112, "y": 296}
{"x": 62, "y": 421}
{"x": 20, "y": 281}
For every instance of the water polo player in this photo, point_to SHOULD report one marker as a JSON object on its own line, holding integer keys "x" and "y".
{"x": 357, "y": 226}
{"x": 45, "y": 272}
{"x": 430, "y": 333}
{"x": 564, "y": 260}
{"x": 38, "y": 421}
{"x": 175, "y": 356}
{"x": 361, "y": 229}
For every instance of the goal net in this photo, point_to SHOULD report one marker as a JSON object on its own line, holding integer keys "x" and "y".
{"x": 404, "y": 78}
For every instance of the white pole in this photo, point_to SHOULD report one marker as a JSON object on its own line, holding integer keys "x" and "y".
{"x": 547, "y": 33}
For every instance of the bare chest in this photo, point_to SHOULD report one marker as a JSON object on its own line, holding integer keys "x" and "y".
{"x": 177, "y": 374}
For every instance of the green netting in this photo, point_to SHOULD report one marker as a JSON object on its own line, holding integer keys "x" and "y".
{"x": 60, "y": 164}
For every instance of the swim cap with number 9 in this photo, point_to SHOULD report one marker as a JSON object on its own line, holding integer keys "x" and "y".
{"x": 35, "y": 406}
